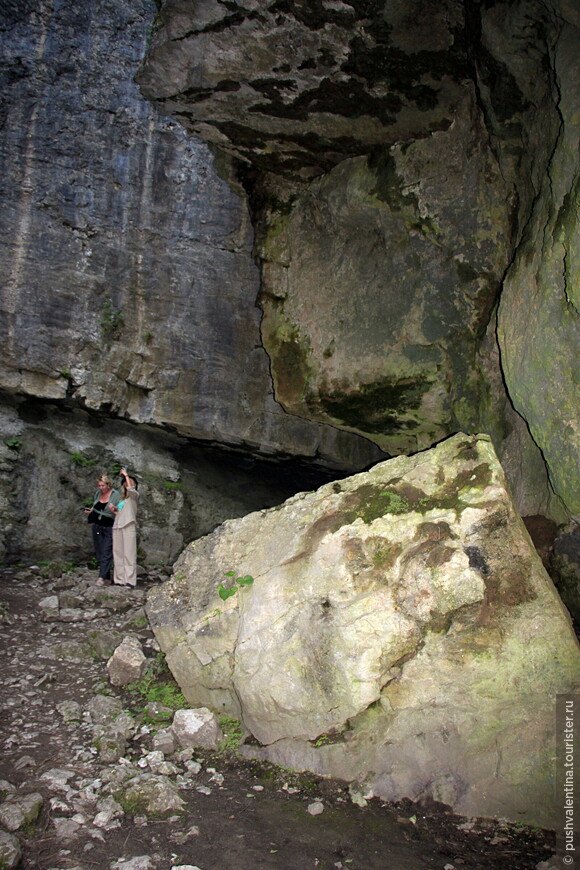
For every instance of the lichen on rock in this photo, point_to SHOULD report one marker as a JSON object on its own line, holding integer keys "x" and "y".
{"x": 386, "y": 637}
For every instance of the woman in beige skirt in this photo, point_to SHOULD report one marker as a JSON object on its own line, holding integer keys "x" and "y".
{"x": 125, "y": 533}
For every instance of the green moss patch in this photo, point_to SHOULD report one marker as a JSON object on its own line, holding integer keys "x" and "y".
{"x": 375, "y": 502}
{"x": 233, "y": 734}
{"x": 377, "y": 407}
{"x": 290, "y": 352}
{"x": 156, "y": 696}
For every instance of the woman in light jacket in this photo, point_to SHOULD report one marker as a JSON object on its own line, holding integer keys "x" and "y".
{"x": 125, "y": 533}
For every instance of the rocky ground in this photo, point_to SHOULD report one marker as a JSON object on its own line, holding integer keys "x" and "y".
{"x": 90, "y": 778}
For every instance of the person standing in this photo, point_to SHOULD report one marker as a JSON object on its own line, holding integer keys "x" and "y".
{"x": 125, "y": 533}
{"x": 102, "y": 518}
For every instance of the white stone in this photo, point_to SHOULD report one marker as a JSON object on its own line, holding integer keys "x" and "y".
{"x": 153, "y": 758}
{"x": 49, "y": 606}
{"x": 58, "y": 778}
{"x": 156, "y": 793}
{"x": 66, "y": 829}
{"x": 104, "y": 708}
{"x": 18, "y": 810}
{"x": 10, "y": 851}
{"x": 401, "y": 633}
{"x": 166, "y": 768}
{"x": 128, "y": 663}
{"x": 70, "y": 711}
{"x": 141, "y": 862}
{"x": 197, "y": 727}
{"x": 164, "y": 741}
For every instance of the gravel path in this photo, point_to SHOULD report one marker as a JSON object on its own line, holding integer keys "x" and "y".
{"x": 58, "y": 631}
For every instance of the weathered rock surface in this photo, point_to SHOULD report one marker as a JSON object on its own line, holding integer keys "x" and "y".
{"x": 378, "y": 279}
{"x": 126, "y": 271}
{"x": 540, "y": 350}
{"x": 128, "y": 662}
{"x": 127, "y": 260}
{"x": 384, "y": 340}
{"x": 295, "y": 87}
{"x": 400, "y": 633}
{"x": 10, "y": 850}
{"x": 50, "y": 458}
{"x": 443, "y": 143}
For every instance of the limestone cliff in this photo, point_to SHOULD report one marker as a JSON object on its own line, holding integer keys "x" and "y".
{"x": 127, "y": 302}
{"x": 400, "y": 158}
{"x": 321, "y": 279}
{"x": 128, "y": 284}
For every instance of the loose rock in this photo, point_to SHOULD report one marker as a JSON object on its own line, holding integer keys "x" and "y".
{"x": 197, "y": 728}
{"x": 128, "y": 662}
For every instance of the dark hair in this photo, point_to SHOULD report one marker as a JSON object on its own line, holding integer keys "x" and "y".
{"x": 132, "y": 477}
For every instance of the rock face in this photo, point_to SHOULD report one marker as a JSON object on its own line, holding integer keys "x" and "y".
{"x": 393, "y": 158}
{"x": 127, "y": 295}
{"x": 375, "y": 172}
{"x": 384, "y": 341}
{"x": 541, "y": 349}
{"x": 295, "y": 87}
{"x": 400, "y": 633}
{"x": 51, "y": 456}
{"x": 128, "y": 284}
{"x": 379, "y": 278}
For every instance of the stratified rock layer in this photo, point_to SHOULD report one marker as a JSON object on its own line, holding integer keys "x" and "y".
{"x": 126, "y": 273}
{"x": 295, "y": 87}
{"x": 400, "y": 633}
{"x": 50, "y": 459}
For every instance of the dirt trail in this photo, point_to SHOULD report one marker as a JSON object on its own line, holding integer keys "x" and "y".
{"x": 256, "y": 817}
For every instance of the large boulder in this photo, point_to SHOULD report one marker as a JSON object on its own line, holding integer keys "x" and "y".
{"x": 400, "y": 633}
